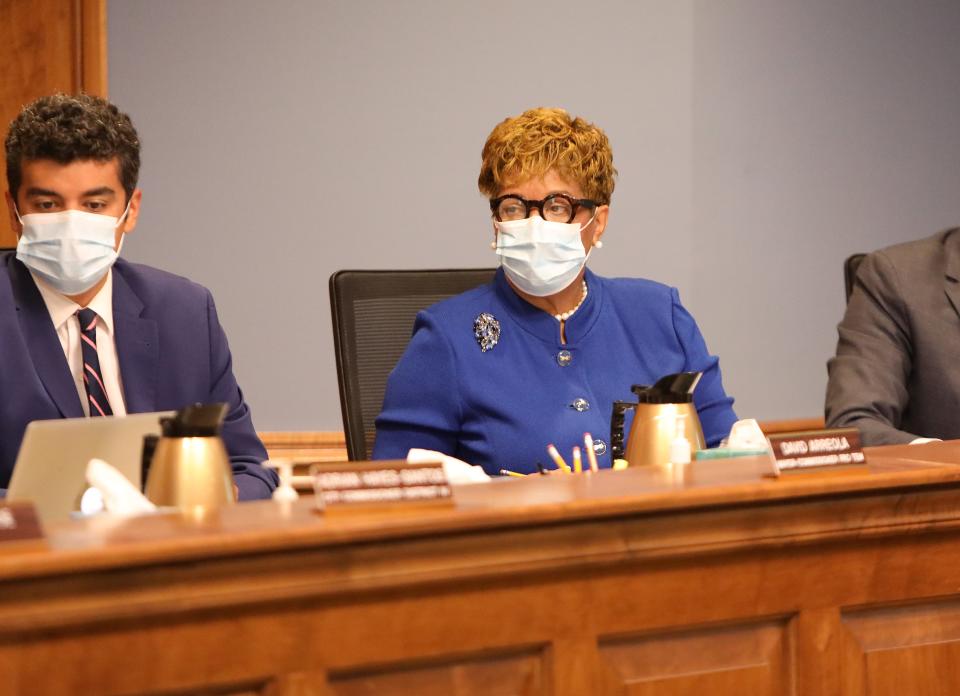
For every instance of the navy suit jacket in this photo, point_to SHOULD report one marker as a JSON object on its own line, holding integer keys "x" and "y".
{"x": 171, "y": 349}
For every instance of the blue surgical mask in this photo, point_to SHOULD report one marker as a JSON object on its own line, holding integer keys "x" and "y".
{"x": 540, "y": 257}
{"x": 70, "y": 249}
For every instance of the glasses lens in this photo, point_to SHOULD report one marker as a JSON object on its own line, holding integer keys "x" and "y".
{"x": 511, "y": 209}
{"x": 558, "y": 209}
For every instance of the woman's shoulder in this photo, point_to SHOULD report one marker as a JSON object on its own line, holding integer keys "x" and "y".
{"x": 640, "y": 301}
{"x": 637, "y": 289}
{"x": 479, "y": 299}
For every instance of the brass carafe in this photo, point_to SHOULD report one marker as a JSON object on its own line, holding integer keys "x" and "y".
{"x": 655, "y": 418}
{"x": 190, "y": 468}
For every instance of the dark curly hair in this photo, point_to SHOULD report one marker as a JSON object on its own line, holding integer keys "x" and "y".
{"x": 65, "y": 128}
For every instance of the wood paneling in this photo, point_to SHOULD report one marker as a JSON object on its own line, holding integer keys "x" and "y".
{"x": 48, "y": 46}
{"x": 748, "y": 659}
{"x": 904, "y": 649}
{"x": 93, "y": 47}
{"x": 791, "y": 425}
{"x": 306, "y": 447}
{"x": 505, "y": 675}
{"x": 719, "y": 581}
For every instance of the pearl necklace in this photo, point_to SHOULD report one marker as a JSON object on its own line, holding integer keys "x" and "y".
{"x": 563, "y": 316}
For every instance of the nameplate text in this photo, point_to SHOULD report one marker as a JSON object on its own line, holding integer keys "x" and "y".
{"x": 376, "y": 484}
{"x": 814, "y": 449}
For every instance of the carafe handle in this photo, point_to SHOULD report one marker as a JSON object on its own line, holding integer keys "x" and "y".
{"x": 617, "y": 420}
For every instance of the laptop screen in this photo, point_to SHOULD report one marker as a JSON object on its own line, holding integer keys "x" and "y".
{"x": 51, "y": 465}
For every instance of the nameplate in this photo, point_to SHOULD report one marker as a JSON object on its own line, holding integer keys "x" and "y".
{"x": 390, "y": 484}
{"x": 19, "y": 522}
{"x": 816, "y": 449}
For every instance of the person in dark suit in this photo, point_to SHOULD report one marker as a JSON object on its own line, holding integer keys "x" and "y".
{"x": 895, "y": 374}
{"x": 83, "y": 332}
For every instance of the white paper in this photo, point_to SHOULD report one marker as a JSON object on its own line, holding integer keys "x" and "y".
{"x": 458, "y": 472}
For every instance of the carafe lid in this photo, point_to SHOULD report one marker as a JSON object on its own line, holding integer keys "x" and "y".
{"x": 670, "y": 389}
{"x": 198, "y": 420}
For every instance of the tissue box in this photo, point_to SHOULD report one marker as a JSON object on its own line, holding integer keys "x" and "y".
{"x": 729, "y": 452}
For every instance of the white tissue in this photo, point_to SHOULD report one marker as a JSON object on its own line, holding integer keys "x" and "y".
{"x": 120, "y": 497}
{"x": 457, "y": 472}
{"x": 747, "y": 435}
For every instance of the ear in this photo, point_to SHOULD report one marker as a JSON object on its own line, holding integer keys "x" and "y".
{"x": 600, "y": 222}
{"x": 12, "y": 211}
{"x": 130, "y": 224}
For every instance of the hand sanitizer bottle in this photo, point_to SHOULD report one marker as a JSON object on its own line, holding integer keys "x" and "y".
{"x": 285, "y": 491}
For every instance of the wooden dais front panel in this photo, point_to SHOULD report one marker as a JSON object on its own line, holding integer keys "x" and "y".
{"x": 913, "y": 649}
{"x": 515, "y": 674}
{"x": 714, "y": 582}
{"x": 752, "y": 659}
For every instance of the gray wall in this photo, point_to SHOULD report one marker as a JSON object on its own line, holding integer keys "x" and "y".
{"x": 758, "y": 142}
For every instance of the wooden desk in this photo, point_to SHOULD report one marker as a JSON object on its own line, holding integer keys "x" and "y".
{"x": 714, "y": 582}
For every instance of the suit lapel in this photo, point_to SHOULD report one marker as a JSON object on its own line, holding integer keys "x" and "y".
{"x": 951, "y": 243}
{"x": 138, "y": 346}
{"x": 44, "y": 345}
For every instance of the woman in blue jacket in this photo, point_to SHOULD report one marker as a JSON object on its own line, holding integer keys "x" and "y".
{"x": 540, "y": 355}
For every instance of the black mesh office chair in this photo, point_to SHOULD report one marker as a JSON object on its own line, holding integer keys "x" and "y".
{"x": 373, "y": 314}
{"x": 850, "y": 267}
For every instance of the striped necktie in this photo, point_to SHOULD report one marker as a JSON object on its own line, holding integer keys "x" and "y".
{"x": 92, "y": 378}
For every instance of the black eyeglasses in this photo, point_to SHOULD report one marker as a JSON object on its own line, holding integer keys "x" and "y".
{"x": 557, "y": 207}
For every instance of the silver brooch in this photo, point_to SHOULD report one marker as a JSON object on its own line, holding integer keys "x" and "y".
{"x": 487, "y": 330}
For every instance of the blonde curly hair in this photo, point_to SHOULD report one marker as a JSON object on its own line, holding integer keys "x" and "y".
{"x": 529, "y": 145}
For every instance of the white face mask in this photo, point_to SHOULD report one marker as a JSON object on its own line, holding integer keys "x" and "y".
{"x": 70, "y": 249}
{"x": 540, "y": 257}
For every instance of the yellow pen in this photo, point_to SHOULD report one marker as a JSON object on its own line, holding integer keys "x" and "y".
{"x": 557, "y": 459}
{"x": 577, "y": 462}
{"x": 507, "y": 472}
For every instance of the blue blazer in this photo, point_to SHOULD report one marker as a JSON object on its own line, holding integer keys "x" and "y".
{"x": 500, "y": 408}
{"x": 171, "y": 349}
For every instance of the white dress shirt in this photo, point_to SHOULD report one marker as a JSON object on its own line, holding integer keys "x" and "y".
{"x": 63, "y": 314}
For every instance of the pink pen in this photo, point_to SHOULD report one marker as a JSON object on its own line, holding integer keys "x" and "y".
{"x": 591, "y": 454}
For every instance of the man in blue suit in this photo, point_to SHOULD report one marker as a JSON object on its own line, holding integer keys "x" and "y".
{"x": 83, "y": 332}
